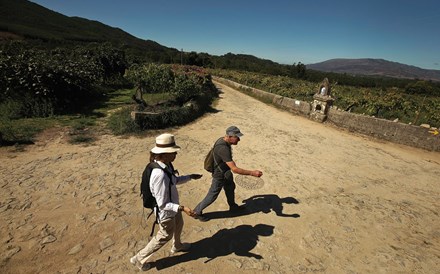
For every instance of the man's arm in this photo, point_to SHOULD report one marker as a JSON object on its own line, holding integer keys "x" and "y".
{"x": 234, "y": 168}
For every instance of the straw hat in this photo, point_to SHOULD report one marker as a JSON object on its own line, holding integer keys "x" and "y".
{"x": 165, "y": 143}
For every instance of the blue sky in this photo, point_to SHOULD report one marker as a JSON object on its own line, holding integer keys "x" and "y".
{"x": 284, "y": 31}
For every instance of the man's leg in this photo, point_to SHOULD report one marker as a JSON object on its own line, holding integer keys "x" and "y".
{"x": 213, "y": 192}
{"x": 230, "y": 192}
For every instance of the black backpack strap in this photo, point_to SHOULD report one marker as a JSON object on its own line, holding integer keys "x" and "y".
{"x": 155, "y": 221}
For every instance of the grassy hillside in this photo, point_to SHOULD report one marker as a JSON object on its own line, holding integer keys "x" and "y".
{"x": 32, "y": 21}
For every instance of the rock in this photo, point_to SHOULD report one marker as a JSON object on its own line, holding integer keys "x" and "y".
{"x": 11, "y": 251}
{"x": 106, "y": 244}
{"x": 124, "y": 225}
{"x": 75, "y": 249}
{"x": 48, "y": 239}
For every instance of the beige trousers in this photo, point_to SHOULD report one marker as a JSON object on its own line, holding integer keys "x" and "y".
{"x": 168, "y": 228}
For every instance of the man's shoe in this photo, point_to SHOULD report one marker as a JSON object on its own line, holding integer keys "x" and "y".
{"x": 201, "y": 218}
{"x": 237, "y": 208}
{"x": 184, "y": 248}
{"x": 144, "y": 267}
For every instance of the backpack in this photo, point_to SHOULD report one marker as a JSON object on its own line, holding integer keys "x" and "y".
{"x": 210, "y": 164}
{"x": 148, "y": 200}
{"x": 209, "y": 161}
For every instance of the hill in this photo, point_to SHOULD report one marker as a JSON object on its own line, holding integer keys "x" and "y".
{"x": 28, "y": 20}
{"x": 22, "y": 19}
{"x": 375, "y": 67}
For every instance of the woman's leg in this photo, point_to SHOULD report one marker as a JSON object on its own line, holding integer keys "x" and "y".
{"x": 165, "y": 233}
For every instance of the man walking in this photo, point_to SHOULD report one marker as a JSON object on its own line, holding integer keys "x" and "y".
{"x": 222, "y": 176}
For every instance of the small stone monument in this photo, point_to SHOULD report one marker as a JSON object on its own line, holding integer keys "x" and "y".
{"x": 322, "y": 101}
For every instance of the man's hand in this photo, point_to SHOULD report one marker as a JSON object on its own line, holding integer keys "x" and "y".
{"x": 256, "y": 173}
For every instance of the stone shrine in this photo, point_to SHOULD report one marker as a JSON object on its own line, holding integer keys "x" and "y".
{"x": 322, "y": 101}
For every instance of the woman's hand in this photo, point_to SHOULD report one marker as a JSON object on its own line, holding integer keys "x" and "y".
{"x": 195, "y": 176}
{"x": 189, "y": 211}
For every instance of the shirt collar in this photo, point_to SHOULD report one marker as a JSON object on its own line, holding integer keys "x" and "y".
{"x": 162, "y": 165}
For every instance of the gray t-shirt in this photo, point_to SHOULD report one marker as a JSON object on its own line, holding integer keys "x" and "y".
{"x": 222, "y": 154}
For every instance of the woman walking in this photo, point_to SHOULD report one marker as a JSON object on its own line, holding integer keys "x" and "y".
{"x": 162, "y": 182}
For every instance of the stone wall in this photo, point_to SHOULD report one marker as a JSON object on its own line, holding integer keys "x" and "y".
{"x": 396, "y": 132}
{"x": 175, "y": 116}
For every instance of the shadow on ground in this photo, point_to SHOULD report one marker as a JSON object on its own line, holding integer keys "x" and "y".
{"x": 264, "y": 203}
{"x": 239, "y": 241}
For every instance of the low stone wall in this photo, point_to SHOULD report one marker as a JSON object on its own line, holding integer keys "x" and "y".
{"x": 396, "y": 132}
{"x": 174, "y": 116}
{"x": 400, "y": 133}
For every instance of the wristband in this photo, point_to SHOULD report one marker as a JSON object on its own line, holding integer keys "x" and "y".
{"x": 181, "y": 207}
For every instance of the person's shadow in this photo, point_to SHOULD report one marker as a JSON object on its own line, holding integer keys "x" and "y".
{"x": 239, "y": 241}
{"x": 259, "y": 203}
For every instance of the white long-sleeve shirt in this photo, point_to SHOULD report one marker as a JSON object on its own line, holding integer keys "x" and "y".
{"x": 159, "y": 186}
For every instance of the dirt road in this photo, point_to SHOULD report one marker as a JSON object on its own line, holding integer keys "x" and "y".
{"x": 332, "y": 202}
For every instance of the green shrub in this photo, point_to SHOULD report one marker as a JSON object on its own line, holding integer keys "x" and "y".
{"x": 120, "y": 122}
{"x": 81, "y": 138}
{"x": 10, "y": 109}
{"x": 56, "y": 81}
{"x": 82, "y": 123}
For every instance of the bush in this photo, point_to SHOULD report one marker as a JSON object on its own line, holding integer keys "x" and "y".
{"x": 120, "y": 122}
{"x": 43, "y": 82}
{"x": 184, "y": 82}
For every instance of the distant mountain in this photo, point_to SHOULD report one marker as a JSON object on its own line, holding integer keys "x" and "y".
{"x": 375, "y": 67}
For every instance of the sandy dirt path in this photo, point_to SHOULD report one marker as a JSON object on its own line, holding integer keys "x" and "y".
{"x": 332, "y": 202}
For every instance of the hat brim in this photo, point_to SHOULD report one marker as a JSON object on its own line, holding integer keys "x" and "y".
{"x": 160, "y": 150}
{"x": 239, "y": 135}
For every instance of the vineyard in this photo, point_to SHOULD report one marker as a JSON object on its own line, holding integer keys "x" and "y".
{"x": 43, "y": 82}
{"x": 416, "y": 104}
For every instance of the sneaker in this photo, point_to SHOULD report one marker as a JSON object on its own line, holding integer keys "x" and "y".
{"x": 201, "y": 218}
{"x": 185, "y": 247}
{"x": 144, "y": 267}
{"x": 236, "y": 208}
